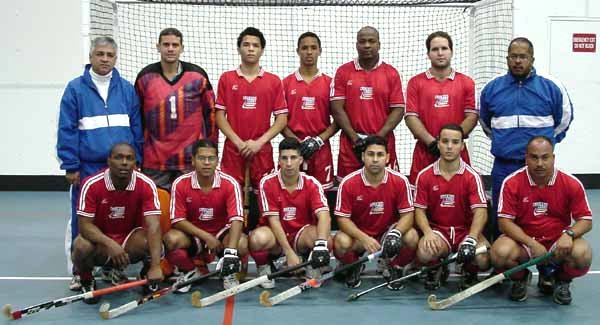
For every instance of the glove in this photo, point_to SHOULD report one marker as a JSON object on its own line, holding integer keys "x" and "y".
{"x": 319, "y": 256}
{"x": 309, "y": 146}
{"x": 359, "y": 147}
{"x": 433, "y": 148}
{"x": 391, "y": 244}
{"x": 466, "y": 250}
{"x": 229, "y": 263}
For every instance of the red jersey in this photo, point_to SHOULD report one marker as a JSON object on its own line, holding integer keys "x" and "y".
{"x": 373, "y": 210}
{"x": 437, "y": 103}
{"x": 176, "y": 114}
{"x": 296, "y": 209}
{"x": 543, "y": 212}
{"x": 117, "y": 212}
{"x": 450, "y": 203}
{"x": 208, "y": 211}
{"x": 368, "y": 95}
{"x": 308, "y": 104}
{"x": 249, "y": 105}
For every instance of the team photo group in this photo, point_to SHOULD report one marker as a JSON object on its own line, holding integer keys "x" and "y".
{"x": 150, "y": 183}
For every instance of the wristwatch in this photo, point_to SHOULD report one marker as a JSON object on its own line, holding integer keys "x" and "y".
{"x": 569, "y": 232}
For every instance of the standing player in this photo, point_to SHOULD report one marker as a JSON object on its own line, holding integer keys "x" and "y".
{"x": 297, "y": 216}
{"x": 374, "y": 211}
{"x": 518, "y": 105}
{"x": 307, "y": 96}
{"x": 437, "y": 97}
{"x": 97, "y": 110}
{"x": 178, "y": 107}
{"x": 537, "y": 205}
{"x": 113, "y": 205}
{"x": 451, "y": 211}
{"x": 246, "y": 99}
{"x": 206, "y": 213}
{"x": 366, "y": 100}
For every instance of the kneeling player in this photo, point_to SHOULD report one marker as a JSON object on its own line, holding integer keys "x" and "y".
{"x": 535, "y": 209}
{"x": 451, "y": 211}
{"x": 294, "y": 207}
{"x": 113, "y": 206}
{"x": 374, "y": 206}
{"x": 206, "y": 214}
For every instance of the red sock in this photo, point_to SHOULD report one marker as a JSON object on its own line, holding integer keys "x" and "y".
{"x": 519, "y": 275}
{"x": 347, "y": 258}
{"x": 180, "y": 258}
{"x": 261, "y": 257}
{"x": 471, "y": 268}
{"x": 567, "y": 273}
{"x": 86, "y": 276}
{"x": 405, "y": 256}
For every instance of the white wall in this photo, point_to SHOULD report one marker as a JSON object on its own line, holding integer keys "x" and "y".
{"x": 45, "y": 51}
{"x": 544, "y": 22}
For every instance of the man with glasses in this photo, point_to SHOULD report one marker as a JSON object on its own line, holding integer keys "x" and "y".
{"x": 517, "y": 106}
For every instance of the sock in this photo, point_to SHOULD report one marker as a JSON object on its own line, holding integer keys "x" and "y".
{"x": 180, "y": 258}
{"x": 347, "y": 258}
{"x": 567, "y": 272}
{"x": 86, "y": 276}
{"x": 405, "y": 256}
{"x": 471, "y": 268}
{"x": 261, "y": 257}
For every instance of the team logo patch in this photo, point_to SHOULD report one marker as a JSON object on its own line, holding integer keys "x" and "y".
{"x": 249, "y": 102}
{"x": 235, "y": 87}
{"x": 441, "y": 101}
{"x": 447, "y": 200}
{"x": 308, "y": 103}
{"x": 117, "y": 213}
{"x": 366, "y": 93}
{"x": 205, "y": 214}
{"x": 289, "y": 213}
{"x": 540, "y": 208}
{"x": 376, "y": 207}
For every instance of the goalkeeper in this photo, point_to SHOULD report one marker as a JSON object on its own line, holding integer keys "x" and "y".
{"x": 309, "y": 121}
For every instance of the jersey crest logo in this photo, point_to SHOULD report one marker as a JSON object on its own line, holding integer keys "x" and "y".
{"x": 206, "y": 214}
{"x": 289, "y": 213}
{"x": 117, "y": 213}
{"x": 366, "y": 93}
{"x": 235, "y": 87}
{"x": 376, "y": 207}
{"x": 308, "y": 103}
{"x": 447, "y": 200}
{"x": 441, "y": 101}
{"x": 249, "y": 102}
{"x": 540, "y": 208}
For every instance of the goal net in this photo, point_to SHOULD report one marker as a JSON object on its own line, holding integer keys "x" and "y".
{"x": 480, "y": 30}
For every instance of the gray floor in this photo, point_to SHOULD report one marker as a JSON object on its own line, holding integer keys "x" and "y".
{"x": 32, "y": 230}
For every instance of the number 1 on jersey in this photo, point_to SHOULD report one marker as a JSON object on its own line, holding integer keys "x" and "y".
{"x": 173, "y": 105}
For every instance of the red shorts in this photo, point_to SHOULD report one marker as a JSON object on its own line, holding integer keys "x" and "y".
{"x": 320, "y": 166}
{"x": 422, "y": 158}
{"x": 198, "y": 246}
{"x": 347, "y": 161}
{"x": 260, "y": 165}
{"x": 548, "y": 242}
{"x": 292, "y": 237}
{"x": 121, "y": 239}
{"x": 452, "y": 236}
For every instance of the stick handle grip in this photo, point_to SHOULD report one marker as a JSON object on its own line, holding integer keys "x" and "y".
{"x": 124, "y": 286}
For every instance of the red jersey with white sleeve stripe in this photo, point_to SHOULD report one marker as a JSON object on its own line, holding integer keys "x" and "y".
{"x": 543, "y": 212}
{"x": 373, "y": 209}
{"x": 449, "y": 203}
{"x": 117, "y": 212}
{"x": 208, "y": 211}
{"x": 295, "y": 209}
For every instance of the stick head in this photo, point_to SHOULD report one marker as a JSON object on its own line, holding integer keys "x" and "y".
{"x": 195, "y": 298}
{"x": 432, "y": 302}
{"x": 7, "y": 311}
{"x": 104, "y": 308}
{"x": 352, "y": 297}
{"x": 264, "y": 298}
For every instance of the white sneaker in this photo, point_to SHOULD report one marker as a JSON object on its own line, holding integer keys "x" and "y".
{"x": 75, "y": 284}
{"x": 182, "y": 278}
{"x": 266, "y": 270}
{"x": 312, "y": 273}
{"x": 383, "y": 267}
{"x": 230, "y": 281}
{"x": 114, "y": 276}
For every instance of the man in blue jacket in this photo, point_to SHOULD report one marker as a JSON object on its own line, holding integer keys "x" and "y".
{"x": 518, "y": 105}
{"x": 98, "y": 110}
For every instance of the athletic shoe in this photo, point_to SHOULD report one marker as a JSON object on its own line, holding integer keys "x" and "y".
{"x": 434, "y": 278}
{"x": 75, "y": 284}
{"x": 266, "y": 270}
{"x": 395, "y": 272}
{"x": 546, "y": 284}
{"x": 313, "y": 273}
{"x": 468, "y": 280}
{"x": 230, "y": 281}
{"x": 182, "y": 278}
{"x": 518, "y": 291}
{"x": 89, "y": 286}
{"x": 353, "y": 276}
{"x": 113, "y": 275}
{"x": 562, "y": 293}
{"x": 382, "y": 266}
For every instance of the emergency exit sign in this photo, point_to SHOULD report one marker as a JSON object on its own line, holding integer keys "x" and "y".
{"x": 584, "y": 42}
